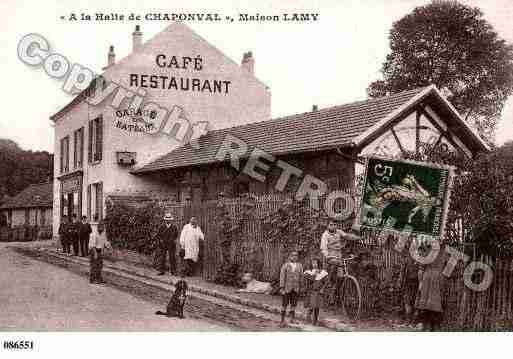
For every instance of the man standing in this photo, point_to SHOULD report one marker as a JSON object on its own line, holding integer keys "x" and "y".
{"x": 83, "y": 236}
{"x": 166, "y": 240}
{"x": 190, "y": 242}
{"x": 64, "y": 235}
{"x": 74, "y": 228}
{"x": 332, "y": 243}
{"x": 97, "y": 245}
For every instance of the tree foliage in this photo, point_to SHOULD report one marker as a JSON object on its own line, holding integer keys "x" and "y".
{"x": 481, "y": 207}
{"x": 452, "y": 46}
{"x": 19, "y": 168}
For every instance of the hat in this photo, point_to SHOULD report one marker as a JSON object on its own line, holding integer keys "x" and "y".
{"x": 168, "y": 217}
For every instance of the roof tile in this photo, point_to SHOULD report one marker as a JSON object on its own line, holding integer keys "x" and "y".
{"x": 35, "y": 195}
{"x": 326, "y": 128}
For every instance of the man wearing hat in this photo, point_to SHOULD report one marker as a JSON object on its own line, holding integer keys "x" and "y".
{"x": 166, "y": 241}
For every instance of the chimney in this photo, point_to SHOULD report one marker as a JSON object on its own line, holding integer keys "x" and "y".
{"x": 136, "y": 38}
{"x": 111, "y": 58}
{"x": 248, "y": 62}
{"x": 315, "y": 108}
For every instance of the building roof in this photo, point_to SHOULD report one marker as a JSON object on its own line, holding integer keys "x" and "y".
{"x": 322, "y": 129}
{"x": 170, "y": 30}
{"x": 35, "y": 195}
{"x": 334, "y": 127}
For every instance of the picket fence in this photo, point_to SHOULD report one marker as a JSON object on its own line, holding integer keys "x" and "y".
{"x": 464, "y": 309}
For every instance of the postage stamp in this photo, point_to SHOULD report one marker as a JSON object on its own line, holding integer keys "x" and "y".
{"x": 402, "y": 195}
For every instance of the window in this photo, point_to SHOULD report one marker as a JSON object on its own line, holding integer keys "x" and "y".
{"x": 78, "y": 148}
{"x": 95, "y": 140}
{"x": 95, "y": 200}
{"x": 64, "y": 154}
{"x": 89, "y": 202}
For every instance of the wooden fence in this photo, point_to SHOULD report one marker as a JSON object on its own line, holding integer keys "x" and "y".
{"x": 253, "y": 250}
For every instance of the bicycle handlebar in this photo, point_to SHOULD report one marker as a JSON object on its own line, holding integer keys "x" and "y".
{"x": 351, "y": 257}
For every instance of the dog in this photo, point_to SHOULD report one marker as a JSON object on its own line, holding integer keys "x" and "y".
{"x": 254, "y": 286}
{"x": 176, "y": 303}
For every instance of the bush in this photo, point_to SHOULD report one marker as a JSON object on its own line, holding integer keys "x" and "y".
{"x": 133, "y": 228}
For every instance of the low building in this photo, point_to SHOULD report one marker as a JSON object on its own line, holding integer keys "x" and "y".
{"x": 107, "y": 147}
{"x": 30, "y": 207}
{"x": 323, "y": 144}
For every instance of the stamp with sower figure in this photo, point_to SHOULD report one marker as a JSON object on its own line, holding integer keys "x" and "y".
{"x": 405, "y": 196}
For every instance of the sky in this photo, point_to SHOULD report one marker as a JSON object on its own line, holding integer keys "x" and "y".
{"x": 328, "y": 62}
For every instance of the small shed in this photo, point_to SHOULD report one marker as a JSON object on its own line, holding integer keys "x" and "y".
{"x": 31, "y": 207}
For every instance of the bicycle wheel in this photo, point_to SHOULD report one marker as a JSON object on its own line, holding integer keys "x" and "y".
{"x": 351, "y": 297}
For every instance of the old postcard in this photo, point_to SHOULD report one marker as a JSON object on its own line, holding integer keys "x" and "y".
{"x": 297, "y": 166}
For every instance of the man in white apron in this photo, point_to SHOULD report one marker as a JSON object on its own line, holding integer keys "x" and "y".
{"x": 190, "y": 243}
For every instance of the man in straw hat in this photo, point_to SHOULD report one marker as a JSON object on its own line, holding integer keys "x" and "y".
{"x": 166, "y": 240}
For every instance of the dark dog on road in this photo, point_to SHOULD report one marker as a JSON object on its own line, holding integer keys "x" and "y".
{"x": 176, "y": 303}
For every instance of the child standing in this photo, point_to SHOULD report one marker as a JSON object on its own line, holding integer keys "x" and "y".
{"x": 291, "y": 275}
{"x": 316, "y": 279}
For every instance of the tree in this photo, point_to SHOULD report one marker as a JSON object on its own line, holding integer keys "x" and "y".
{"x": 452, "y": 46}
{"x": 19, "y": 168}
{"x": 481, "y": 206}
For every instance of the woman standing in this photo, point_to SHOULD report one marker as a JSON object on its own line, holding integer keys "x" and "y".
{"x": 429, "y": 300}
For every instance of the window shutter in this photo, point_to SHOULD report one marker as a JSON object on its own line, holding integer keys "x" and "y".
{"x": 99, "y": 138}
{"x": 62, "y": 158}
{"x": 75, "y": 143}
{"x": 66, "y": 152}
{"x": 81, "y": 153}
{"x": 89, "y": 202}
{"x": 99, "y": 200}
{"x": 90, "y": 145}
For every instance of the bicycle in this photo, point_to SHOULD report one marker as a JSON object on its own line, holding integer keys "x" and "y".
{"x": 348, "y": 291}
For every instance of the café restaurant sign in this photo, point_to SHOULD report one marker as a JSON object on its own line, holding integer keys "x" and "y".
{"x": 71, "y": 185}
{"x": 179, "y": 83}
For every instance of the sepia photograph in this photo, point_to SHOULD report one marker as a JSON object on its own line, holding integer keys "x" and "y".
{"x": 325, "y": 171}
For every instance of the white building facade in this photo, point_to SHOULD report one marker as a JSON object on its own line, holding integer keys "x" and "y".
{"x": 182, "y": 85}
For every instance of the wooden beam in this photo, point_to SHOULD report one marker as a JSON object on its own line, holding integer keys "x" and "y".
{"x": 447, "y": 134}
{"x": 417, "y": 131}
{"x": 397, "y": 140}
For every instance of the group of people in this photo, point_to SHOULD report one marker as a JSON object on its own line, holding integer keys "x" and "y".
{"x": 190, "y": 241}
{"x": 422, "y": 291}
{"x": 421, "y": 285}
{"x": 86, "y": 239}
{"x": 294, "y": 280}
{"x": 75, "y": 234}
